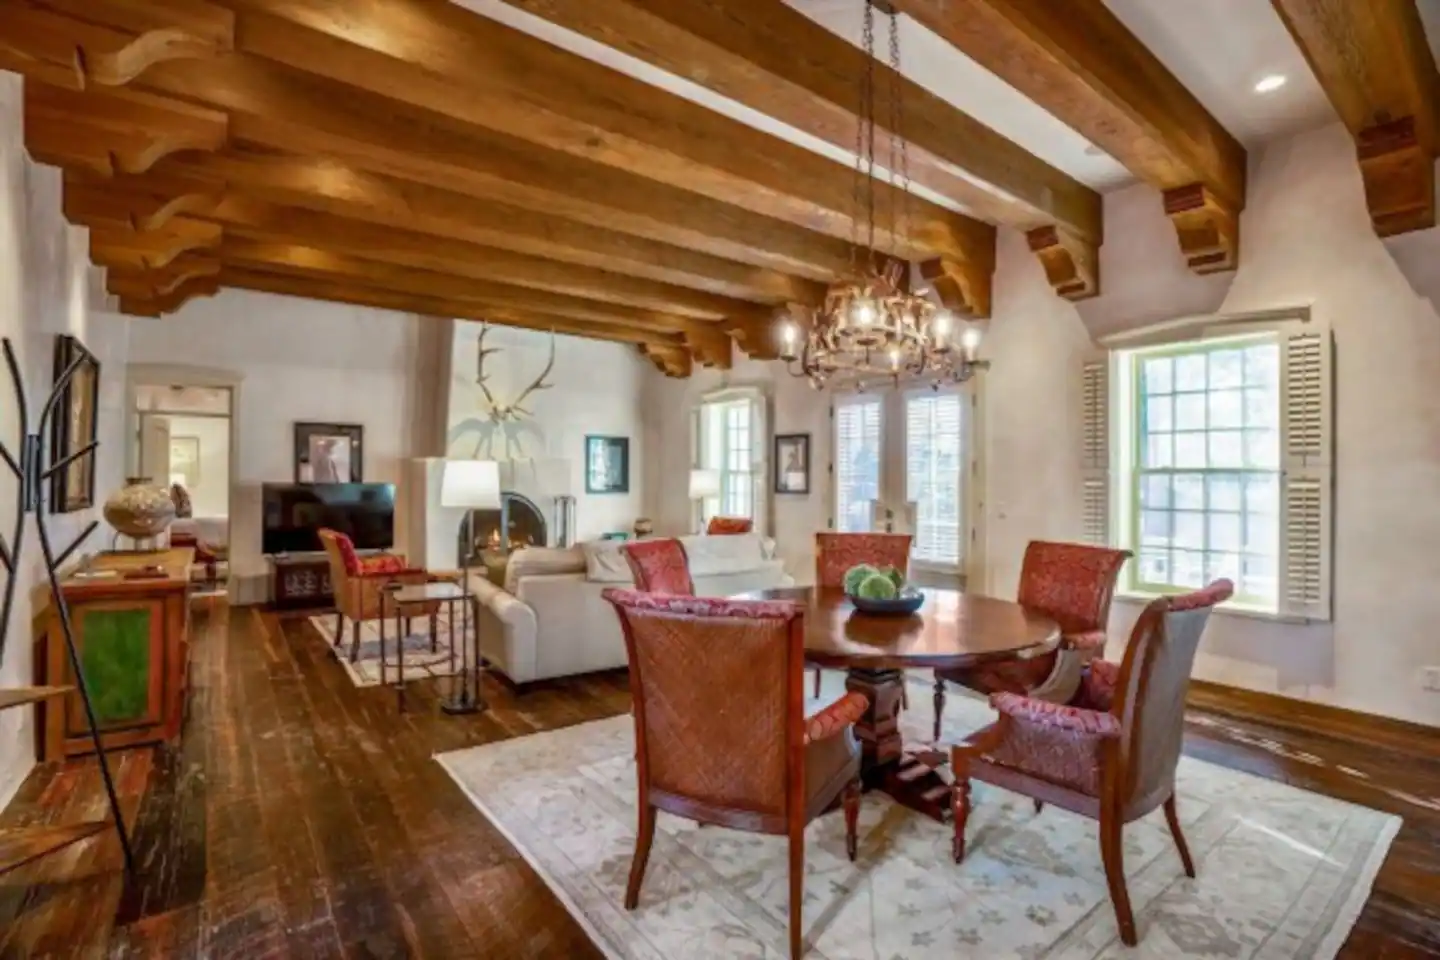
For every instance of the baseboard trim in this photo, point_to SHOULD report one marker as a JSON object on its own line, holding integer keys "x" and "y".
{"x": 1291, "y": 713}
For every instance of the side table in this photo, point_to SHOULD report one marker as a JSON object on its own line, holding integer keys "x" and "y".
{"x": 409, "y": 601}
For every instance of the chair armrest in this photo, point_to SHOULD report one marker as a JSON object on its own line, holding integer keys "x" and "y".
{"x": 1054, "y": 716}
{"x": 836, "y": 717}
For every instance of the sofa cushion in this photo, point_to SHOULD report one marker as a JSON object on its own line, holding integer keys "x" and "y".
{"x": 605, "y": 562}
{"x": 713, "y": 556}
{"x": 532, "y": 561}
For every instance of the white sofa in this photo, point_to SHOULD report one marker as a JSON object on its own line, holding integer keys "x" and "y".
{"x": 549, "y": 620}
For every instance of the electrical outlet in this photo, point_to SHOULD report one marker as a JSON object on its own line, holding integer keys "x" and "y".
{"x": 1430, "y": 678}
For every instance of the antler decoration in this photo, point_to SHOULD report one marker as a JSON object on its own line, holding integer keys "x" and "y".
{"x": 509, "y": 412}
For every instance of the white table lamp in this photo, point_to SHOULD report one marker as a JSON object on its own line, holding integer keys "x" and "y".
{"x": 473, "y": 485}
{"x": 704, "y": 484}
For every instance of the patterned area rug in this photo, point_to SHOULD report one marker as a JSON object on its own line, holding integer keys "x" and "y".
{"x": 1283, "y": 873}
{"x": 421, "y": 660}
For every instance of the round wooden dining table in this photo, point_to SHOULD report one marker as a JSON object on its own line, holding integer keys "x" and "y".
{"x": 952, "y": 630}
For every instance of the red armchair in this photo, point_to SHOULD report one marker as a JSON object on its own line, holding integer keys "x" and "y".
{"x": 720, "y": 730}
{"x": 1110, "y": 753}
{"x": 660, "y": 566}
{"x": 358, "y": 583}
{"x": 1071, "y": 583}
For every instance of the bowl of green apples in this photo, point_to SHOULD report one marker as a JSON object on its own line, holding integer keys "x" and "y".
{"x": 881, "y": 591}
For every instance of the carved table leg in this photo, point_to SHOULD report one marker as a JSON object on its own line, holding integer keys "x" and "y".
{"x": 909, "y": 777}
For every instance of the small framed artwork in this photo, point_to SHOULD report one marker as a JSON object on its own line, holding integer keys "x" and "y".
{"x": 73, "y": 427}
{"x": 792, "y": 463}
{"x": 607, "y": 464}
{"x": 185, "y": 461}
{"x": 329, "y": 453}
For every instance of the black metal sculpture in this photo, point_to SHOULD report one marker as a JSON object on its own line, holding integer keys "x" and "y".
{"x": 32, "y": 480}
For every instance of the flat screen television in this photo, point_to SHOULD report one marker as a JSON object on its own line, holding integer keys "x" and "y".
{"x": 293, "y": 514}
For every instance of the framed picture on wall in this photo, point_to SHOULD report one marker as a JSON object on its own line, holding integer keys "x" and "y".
{"x": 607, "y": 464}
{"x": 73, "y": 427}
{"x": 329, "y": 453}
{"x": 792, "y": 463}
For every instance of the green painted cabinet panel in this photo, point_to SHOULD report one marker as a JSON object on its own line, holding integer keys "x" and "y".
{"x": 115, "y": 656}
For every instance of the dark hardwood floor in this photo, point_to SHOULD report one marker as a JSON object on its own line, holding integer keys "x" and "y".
{"x": 301, "y": 817}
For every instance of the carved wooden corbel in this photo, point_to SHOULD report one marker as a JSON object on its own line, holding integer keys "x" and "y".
{"x": 172, "y": 301}
{"x": 673, "y": 360}
{"x": 113, "y": 246}
{"x": 1208, "y": 228}
{"x": 1398, "y": 169}
{"x": 756, "y": 336}
{"x": 149, "y": 284}
{"x": 1072, "y": 264}
{"x": 963, "y": 286}
{"x": 709, "y": 345}
{"x": 115, "y": 68}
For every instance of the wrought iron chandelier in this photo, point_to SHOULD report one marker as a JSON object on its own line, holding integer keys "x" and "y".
{"x": 871, "y": 328}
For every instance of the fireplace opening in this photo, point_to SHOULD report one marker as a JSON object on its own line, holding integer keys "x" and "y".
{"x": 497, "y": 533}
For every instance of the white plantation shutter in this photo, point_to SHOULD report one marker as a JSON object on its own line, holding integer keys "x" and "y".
{"x": 1095, "y": 449}
{"x": 857, "y": 462}
{"x": 934, "y": 468}
{"x": 1307, "y": 465}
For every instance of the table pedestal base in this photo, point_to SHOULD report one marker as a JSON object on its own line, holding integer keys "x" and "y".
{"x": 910, "y": 777}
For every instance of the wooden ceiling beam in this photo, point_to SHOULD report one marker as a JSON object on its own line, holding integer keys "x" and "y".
{"x": 275, "y": 108}
{"x": 1375, "y": 65}
{"x": 90, "y": 202}
{"x": 444, "y": 58}
{"x": 120, "y": 245}
{"x": 329, "y": 186}
{"x": 747, "y": 51}
{"x": 111, "y": 132}
{"x": 324, "y": 264}
{"x": 1078, "y": 61}
{"x": 360, "y": 295}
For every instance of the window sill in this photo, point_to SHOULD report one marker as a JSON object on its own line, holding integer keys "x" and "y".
{"x": 1228, "y": 609}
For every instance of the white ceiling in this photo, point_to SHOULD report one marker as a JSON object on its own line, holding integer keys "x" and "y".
{"x": 1217, "y": 48}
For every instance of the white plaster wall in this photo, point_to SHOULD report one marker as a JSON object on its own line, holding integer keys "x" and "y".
{"x": 45, "y": 290}
{"x": 794, "y": 408}
{"x": 300, "y": 360}
{"x": 596, "y": 388}
{"x": 1306, "y": 240}
{"x": 211, "y": 496}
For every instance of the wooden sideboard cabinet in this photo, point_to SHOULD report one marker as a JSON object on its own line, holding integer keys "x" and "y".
{"x": 133, "y": 640}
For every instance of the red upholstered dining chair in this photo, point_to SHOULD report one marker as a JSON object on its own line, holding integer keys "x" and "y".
{"x": 836, "y": 553}
{"x": 720, "y": 729}
{"x": 358, "y": 583}
{"x": 1073, "y": 584}
{"x": 660, "y": 566}
{"x": 1111, "y": 752}
{"x": 724, "y": 526}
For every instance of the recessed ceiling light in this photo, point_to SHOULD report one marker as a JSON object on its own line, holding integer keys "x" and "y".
{"x": 1270, "y": 83}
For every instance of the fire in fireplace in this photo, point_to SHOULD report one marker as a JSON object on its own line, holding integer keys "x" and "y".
{"x": 518, "y": 523}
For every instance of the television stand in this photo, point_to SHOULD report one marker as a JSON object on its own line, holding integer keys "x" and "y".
{"x": 300, "y": 581}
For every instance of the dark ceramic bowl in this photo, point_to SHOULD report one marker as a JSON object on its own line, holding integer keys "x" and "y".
{"x": 904, "y": 605}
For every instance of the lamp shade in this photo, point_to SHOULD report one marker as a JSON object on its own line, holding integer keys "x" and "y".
{"x": 474, "y": 484}
{"x": 704, "y": 483}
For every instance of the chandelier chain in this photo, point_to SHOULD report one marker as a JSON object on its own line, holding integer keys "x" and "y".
{"x": 897, "y": 131}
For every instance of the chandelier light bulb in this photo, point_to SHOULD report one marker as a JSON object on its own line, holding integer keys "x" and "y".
{"x": 895, "y": 358}
{"x": 941, "y": 326}
{"x": 864, "y": 313}
{"x": 970, "y": 342}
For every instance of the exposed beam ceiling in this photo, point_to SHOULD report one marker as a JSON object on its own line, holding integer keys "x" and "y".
{"x": 1077, "y": 60}
{"x": 1375, "y": 65}
{"x": 770, "y": 57}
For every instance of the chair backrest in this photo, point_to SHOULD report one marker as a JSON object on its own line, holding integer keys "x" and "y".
{"x": 1150, "y": 694}
{"x": 721, "y": 526}
{"x": 1072, "y": 583}
{"x": 341, "y": 551}
{"x": 719, "y": 694}
{"x": 836, "y": 553}
{"x": 660, "y": 566}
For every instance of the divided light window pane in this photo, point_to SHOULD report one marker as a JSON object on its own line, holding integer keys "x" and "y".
{"x": 933, "y": 471}
{"x": 857, "y": 463}
{"x": 1207, "y": 468}
{"x": 726, "y": 446}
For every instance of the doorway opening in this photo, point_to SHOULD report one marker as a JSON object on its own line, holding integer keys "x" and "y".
{"x": 183, "y": 443}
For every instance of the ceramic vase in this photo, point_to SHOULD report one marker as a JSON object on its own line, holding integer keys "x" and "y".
{"x": 140, "y": 510}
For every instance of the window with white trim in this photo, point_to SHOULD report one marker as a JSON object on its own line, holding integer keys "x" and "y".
{"x": 730, "y": 439}
{"x": 857, "y": 462}
{"x": 1209, "y": 457}
{"x": 934, "y": 469}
